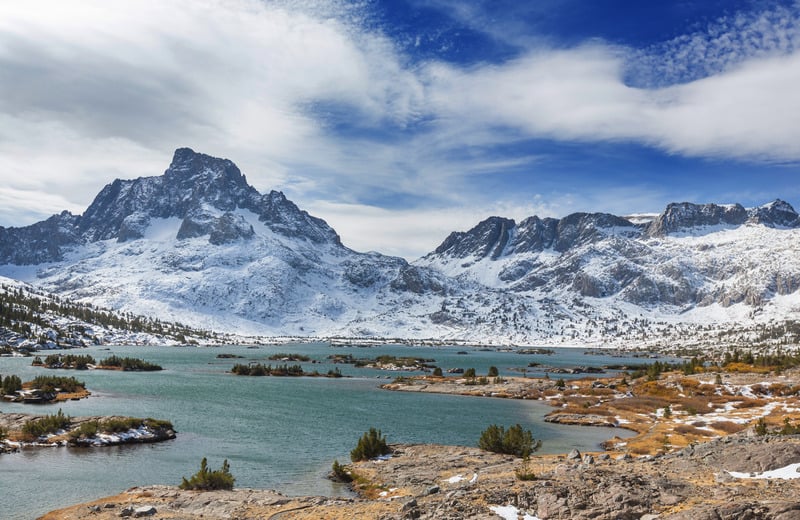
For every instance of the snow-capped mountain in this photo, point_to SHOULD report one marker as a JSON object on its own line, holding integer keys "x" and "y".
{"x": 201, "y": 246}
{"x": 690, "y": 255}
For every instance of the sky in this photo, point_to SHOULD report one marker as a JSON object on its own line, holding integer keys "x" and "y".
{"x": 400, "y": 121}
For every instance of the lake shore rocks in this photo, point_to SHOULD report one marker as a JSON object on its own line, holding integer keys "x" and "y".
{"x": 454, "y": 482}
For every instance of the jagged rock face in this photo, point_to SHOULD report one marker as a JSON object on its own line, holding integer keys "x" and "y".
{"x": 419, "y": 281}
{"x": 488, "y": 239}
{"x": 40, "y": 242}
{"x": 191, "y": 183}
{"x": 496, "y": 237}
{"x": 775, "y": 214}
{"x": 284, "y": 217}
{"x": 582, "y": 228}
{"x": 535, "y": 234}
{"x": 230, "y": 228}
{"x": 685, "y": 215}
{"x": 133, "y": 227}
{"x": 202, "y": 190}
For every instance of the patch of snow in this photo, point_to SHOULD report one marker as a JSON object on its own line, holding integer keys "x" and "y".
{"x": 792, "y": 471}
{"x": 511, "y": 513}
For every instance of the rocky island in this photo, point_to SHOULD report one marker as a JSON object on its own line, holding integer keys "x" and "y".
{"x": 42, "y": 389}
{"x": 18, "y": 431}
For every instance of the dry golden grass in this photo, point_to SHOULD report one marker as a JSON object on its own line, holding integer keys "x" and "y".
{"x": 688, "y": 429}
{"x": 643, "y": 412}
{"x": 602, "y": 392}
{"x": 750, "y": 403}
{"x": 65, "y": 396}
{"x": 728, "y": 427}
{"x": 745, "y": 368}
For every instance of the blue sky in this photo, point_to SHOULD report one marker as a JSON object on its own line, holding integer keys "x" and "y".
{"x": 400, "y": 121}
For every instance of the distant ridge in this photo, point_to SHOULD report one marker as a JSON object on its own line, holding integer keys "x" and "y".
{"x": 199, "y": 245}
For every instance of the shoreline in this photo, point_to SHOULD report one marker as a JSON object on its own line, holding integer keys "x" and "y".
{"x": 717, "y": 479}
{"x": 681, "y": 419}
{"x": 667, "y": 414}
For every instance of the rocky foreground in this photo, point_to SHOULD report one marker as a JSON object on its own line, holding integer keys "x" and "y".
{"x": 717, "y": 480}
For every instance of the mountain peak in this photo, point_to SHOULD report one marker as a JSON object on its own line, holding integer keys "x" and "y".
{"x": 488, "y": 238}
{"x": 777, "y": 213}
{"x": 202, "y": 190}
{"x": 190, "y": 165}
{"x": 684, "y": 215}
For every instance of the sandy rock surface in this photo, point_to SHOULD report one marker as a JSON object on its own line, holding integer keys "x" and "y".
{"x": 448, "y": 482}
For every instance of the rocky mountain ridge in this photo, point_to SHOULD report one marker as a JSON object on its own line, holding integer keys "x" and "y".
{"x": 199, "y": 245}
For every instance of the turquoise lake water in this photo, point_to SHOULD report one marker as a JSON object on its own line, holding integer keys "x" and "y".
{"x": 277, "y": 433}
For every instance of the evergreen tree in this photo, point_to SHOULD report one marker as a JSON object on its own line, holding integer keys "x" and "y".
{"x": 372, "y": 444}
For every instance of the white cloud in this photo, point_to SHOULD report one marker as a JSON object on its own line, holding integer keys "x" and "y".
{"x": 721, "y": 45}
{"x": 103, "y": 88}
{"x": 94, "y": 90}
{"x": 750, "y": 112}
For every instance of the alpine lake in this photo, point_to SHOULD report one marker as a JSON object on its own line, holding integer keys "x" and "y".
{"x": 278, "y": 433}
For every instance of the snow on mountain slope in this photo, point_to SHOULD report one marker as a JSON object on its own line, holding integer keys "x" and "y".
{"x": 200, "y": 246}
{"x": 598, "y": 279}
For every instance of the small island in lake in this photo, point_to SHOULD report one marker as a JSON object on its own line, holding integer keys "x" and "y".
{"x": 19, "y": 430}
{"x": 259, "y": 369}
{"x": 42, "y": 389}
{"x": 386, "y": 362}
{"x": 85, "y": 362}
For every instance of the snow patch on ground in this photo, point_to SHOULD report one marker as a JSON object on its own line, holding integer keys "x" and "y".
{"x": 792, "y": 471}
{"x": 511, "y": 513}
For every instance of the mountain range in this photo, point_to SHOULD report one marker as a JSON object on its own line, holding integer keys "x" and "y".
{"x": 201, "y": 246}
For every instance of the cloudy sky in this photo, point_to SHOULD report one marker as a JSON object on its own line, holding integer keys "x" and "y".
{"x": 400, "y": 121}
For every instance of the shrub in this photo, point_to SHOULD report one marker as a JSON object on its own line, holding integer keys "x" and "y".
{"x": 492, "y": 439}
{"x": 205, "y": 480}
{"x": 789, "y": 428}
{"x": 46, "y": 425}
{"x": 158, "y": 424}
{"x": 50, "y": 383}
{"x": 289, "y": 357}
{"x": 340, "y": 473}
{"x": 469, "y": 373}
{"x": 11, "y": 384}
{"x": 437, "y": 372}
{"x": 514, "y": 441}
{"x": 372, "y": 444}
{"x": 3, "y": 433}
{"x": 74, "y": 361}
{"x": 493, "y": 372}
{"x": 128, "y": 364}
{"x": 524, "y": 471}
{"x": 117, "y": 425}
{"x": 86, "y": 430}
{"x": 761, "y": 426}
